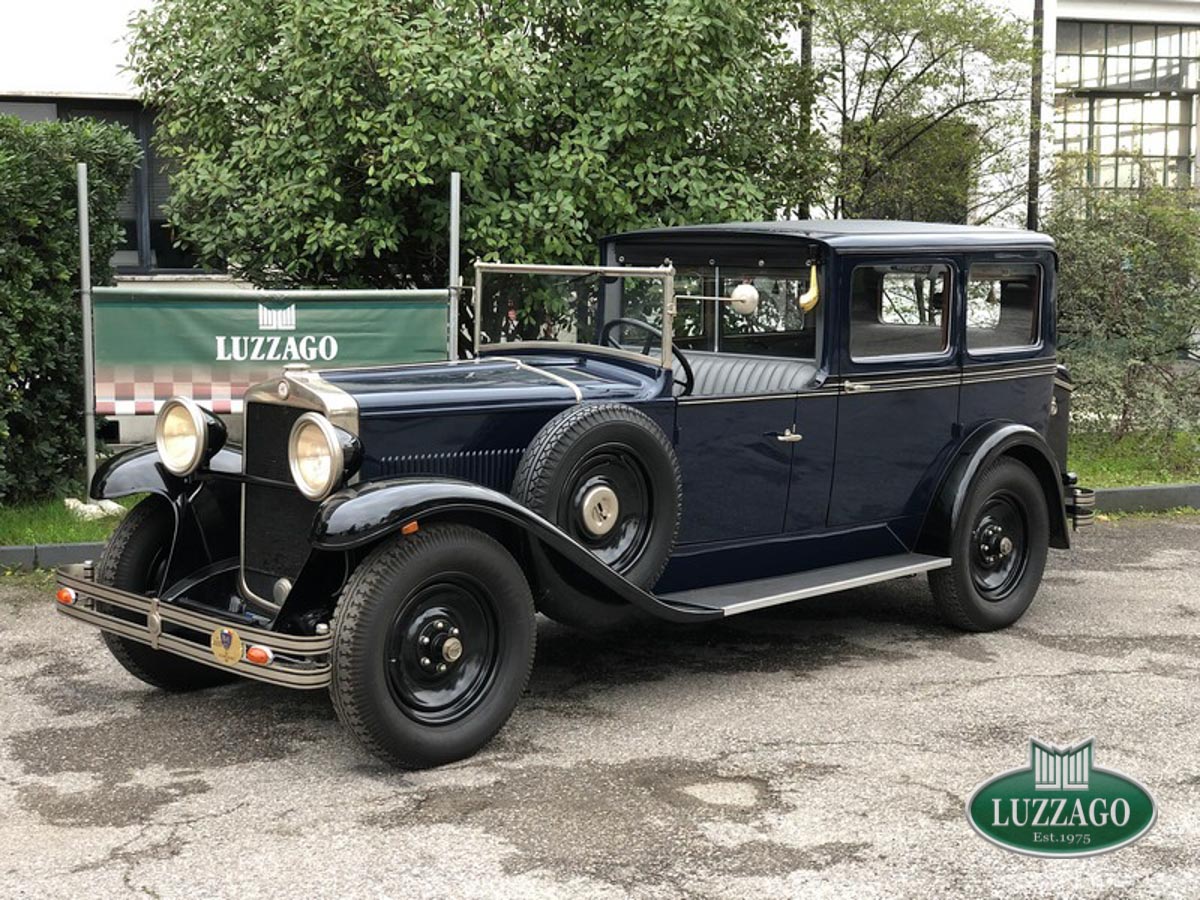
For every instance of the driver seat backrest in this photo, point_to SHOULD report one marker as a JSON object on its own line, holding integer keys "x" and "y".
{"x": 719, "y": 374}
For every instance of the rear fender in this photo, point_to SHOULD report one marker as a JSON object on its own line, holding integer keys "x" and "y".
{"x": 981, "y": 448}
{"x": 365, "y": 514}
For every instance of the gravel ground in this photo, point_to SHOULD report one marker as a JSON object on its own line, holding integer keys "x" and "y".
{"x": 821, "y": 749}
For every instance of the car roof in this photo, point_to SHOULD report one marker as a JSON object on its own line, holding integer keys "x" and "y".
{"x": 860, "y": 234}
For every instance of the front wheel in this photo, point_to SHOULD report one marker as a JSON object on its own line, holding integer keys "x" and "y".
{"x": 433, "y": 645}
{"x": 134, "y": 559}
{"x": 999, "y": 548}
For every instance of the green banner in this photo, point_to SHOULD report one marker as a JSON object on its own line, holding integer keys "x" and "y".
{"x": 211, "y": 345}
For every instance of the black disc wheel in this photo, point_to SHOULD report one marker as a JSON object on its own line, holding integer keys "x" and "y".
{"x": 999, "y": 548}
{"x": 607, "y": 506}
{"x": 444, "y": 649}
{"x": 134, "y": 559}
{"x": 433, "y": 644}
{"x": 608, "y": 476}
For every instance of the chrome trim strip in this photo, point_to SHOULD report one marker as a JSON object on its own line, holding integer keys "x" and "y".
{"x": 983, "y": 379}
{"x": 835, "y": 586}
{"x": 801, "y": 395}
{"x": 546, "y": 269}
{"x": 299, "y": 662}
{"x": 1067, "y": 386}
{"x": 537, "y": 370}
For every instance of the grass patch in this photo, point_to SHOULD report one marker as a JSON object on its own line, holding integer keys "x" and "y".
{"x": 49, "y": 522}
{"x": 1136, "y": 459}
{"x": 1118, "y": 516}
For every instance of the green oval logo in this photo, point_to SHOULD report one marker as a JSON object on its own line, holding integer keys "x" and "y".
{"x": 1062, "y": 805}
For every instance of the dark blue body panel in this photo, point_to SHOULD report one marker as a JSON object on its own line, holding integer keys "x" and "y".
{"x": 875, "y": 452}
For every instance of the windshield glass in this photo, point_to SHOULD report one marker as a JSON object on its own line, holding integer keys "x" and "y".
{"x": 576, "y": 306}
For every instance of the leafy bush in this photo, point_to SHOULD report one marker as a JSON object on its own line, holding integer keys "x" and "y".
{"x": 41, "y": 376}
{"x": 1129, "y": 304}
{"x": 313, "y": 139}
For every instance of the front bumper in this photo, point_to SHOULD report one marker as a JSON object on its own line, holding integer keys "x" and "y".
{"x": 292, "y": 661}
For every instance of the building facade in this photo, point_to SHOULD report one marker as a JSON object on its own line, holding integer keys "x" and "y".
{"x": 1121, "y": 87}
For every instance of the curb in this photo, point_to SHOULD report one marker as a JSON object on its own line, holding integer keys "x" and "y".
{"x": 1152, "y": 498}
{"x": 47, "y": 556}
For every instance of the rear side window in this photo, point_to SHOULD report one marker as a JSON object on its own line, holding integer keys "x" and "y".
{"x": 899, "y": 310}
{"x": 1003, "y": 301}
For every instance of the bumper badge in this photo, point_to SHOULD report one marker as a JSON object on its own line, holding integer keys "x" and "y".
{"x": 226, "y": 646}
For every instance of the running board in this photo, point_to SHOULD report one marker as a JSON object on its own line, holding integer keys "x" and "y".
{"x": 743, "y": 596}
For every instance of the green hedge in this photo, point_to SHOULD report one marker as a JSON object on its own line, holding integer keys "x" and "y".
{"x": 41, "y": 381}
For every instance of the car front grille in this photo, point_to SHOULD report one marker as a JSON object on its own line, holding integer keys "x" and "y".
{"x": 275, "y": 516}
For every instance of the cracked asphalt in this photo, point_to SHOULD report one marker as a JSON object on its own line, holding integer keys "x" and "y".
{"x": 822, "y": 749}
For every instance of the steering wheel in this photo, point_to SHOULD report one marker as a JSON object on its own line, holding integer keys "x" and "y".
{"x": 606, "y": 337}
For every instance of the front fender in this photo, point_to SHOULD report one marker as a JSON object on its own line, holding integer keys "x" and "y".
{"x": 140, "y": 471}
{"x": 982, "y": 447}
{"x": 205, "y": 509}
{"x": 363, "y": 514}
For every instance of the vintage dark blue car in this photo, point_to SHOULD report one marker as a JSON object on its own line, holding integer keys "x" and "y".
{"x": 713, "y": 420}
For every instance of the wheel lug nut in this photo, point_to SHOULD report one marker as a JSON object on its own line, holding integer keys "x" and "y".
{"x": 439, "y": 625}
{"x": 425, "y": 662}
{"x": 454, "y": 632}
{"x": 441, "y": 668}
{"x": 424, "y": 640}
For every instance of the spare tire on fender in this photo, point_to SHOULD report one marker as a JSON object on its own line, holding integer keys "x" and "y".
{"x": 607, "y": 475}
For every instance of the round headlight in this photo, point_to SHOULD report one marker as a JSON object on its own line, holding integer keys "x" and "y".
{"x": 181, "y": 434}
{"x": 315, "y": 456}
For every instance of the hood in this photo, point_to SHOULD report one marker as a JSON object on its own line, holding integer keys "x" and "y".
{"x": 492, "y": 381}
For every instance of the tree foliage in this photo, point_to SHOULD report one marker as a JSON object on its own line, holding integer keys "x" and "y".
{"x": 41, "y": 352}
{"x": 1129, "y": 302}
{"x": 903, "y": 79}
{"x": 313, "y": 139}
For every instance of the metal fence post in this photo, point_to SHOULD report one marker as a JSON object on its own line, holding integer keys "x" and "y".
{"x": 455, "y": 279}
{"x": 85, "y": 295}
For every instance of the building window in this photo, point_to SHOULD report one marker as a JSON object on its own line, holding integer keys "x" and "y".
{"x": 148, "y": 244}
{"x": 1126, "y": 98}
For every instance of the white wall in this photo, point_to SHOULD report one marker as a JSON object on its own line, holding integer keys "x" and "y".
{"x": 66, "y": 47}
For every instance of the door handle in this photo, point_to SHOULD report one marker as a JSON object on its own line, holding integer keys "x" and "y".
{"x": 856, "y": 386}
{"x": 788, "y": 436}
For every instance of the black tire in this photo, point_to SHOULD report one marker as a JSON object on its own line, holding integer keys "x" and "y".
{"x": 403, "y": 711}
{"x": 999, "y": 550}
{"x": 617, "y": 447}
{"x": 132, "y": 560}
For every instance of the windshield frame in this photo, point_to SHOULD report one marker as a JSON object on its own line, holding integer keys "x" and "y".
{"x": 665, "y": 273}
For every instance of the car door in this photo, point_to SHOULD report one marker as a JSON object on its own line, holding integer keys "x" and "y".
{"x": 740, "y": 430}
{"x": 900, "y": 381}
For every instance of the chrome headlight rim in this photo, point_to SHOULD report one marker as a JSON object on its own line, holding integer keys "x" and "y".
{"x": 199, "y": 426}
{"x": 337, "y": 460}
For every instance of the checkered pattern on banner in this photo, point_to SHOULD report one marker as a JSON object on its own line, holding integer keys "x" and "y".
{"x": 216, "y": 389}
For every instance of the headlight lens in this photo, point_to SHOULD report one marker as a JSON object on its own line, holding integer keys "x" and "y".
{"x": 181, "y": 434}
{"x": 315, "y": 456}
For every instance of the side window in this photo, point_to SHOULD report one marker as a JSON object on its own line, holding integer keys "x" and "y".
{"x": 899, "y": 310}
{"x": 1002, "y": 305}
{"x": 771, "y": 325}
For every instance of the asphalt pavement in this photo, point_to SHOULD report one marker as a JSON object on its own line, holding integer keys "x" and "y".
{"x": 822, "y": 749}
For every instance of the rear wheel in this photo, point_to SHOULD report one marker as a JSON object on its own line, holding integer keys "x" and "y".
{"x": 433, "y": 644}
{"x": 607, "y": 476}
{"x": 134, "y": 560}
{"x": 999, "y": 549}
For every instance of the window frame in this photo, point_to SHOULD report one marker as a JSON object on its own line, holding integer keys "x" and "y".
{"x": 947, "y": 354}
{"x": 1019, "y": 349}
